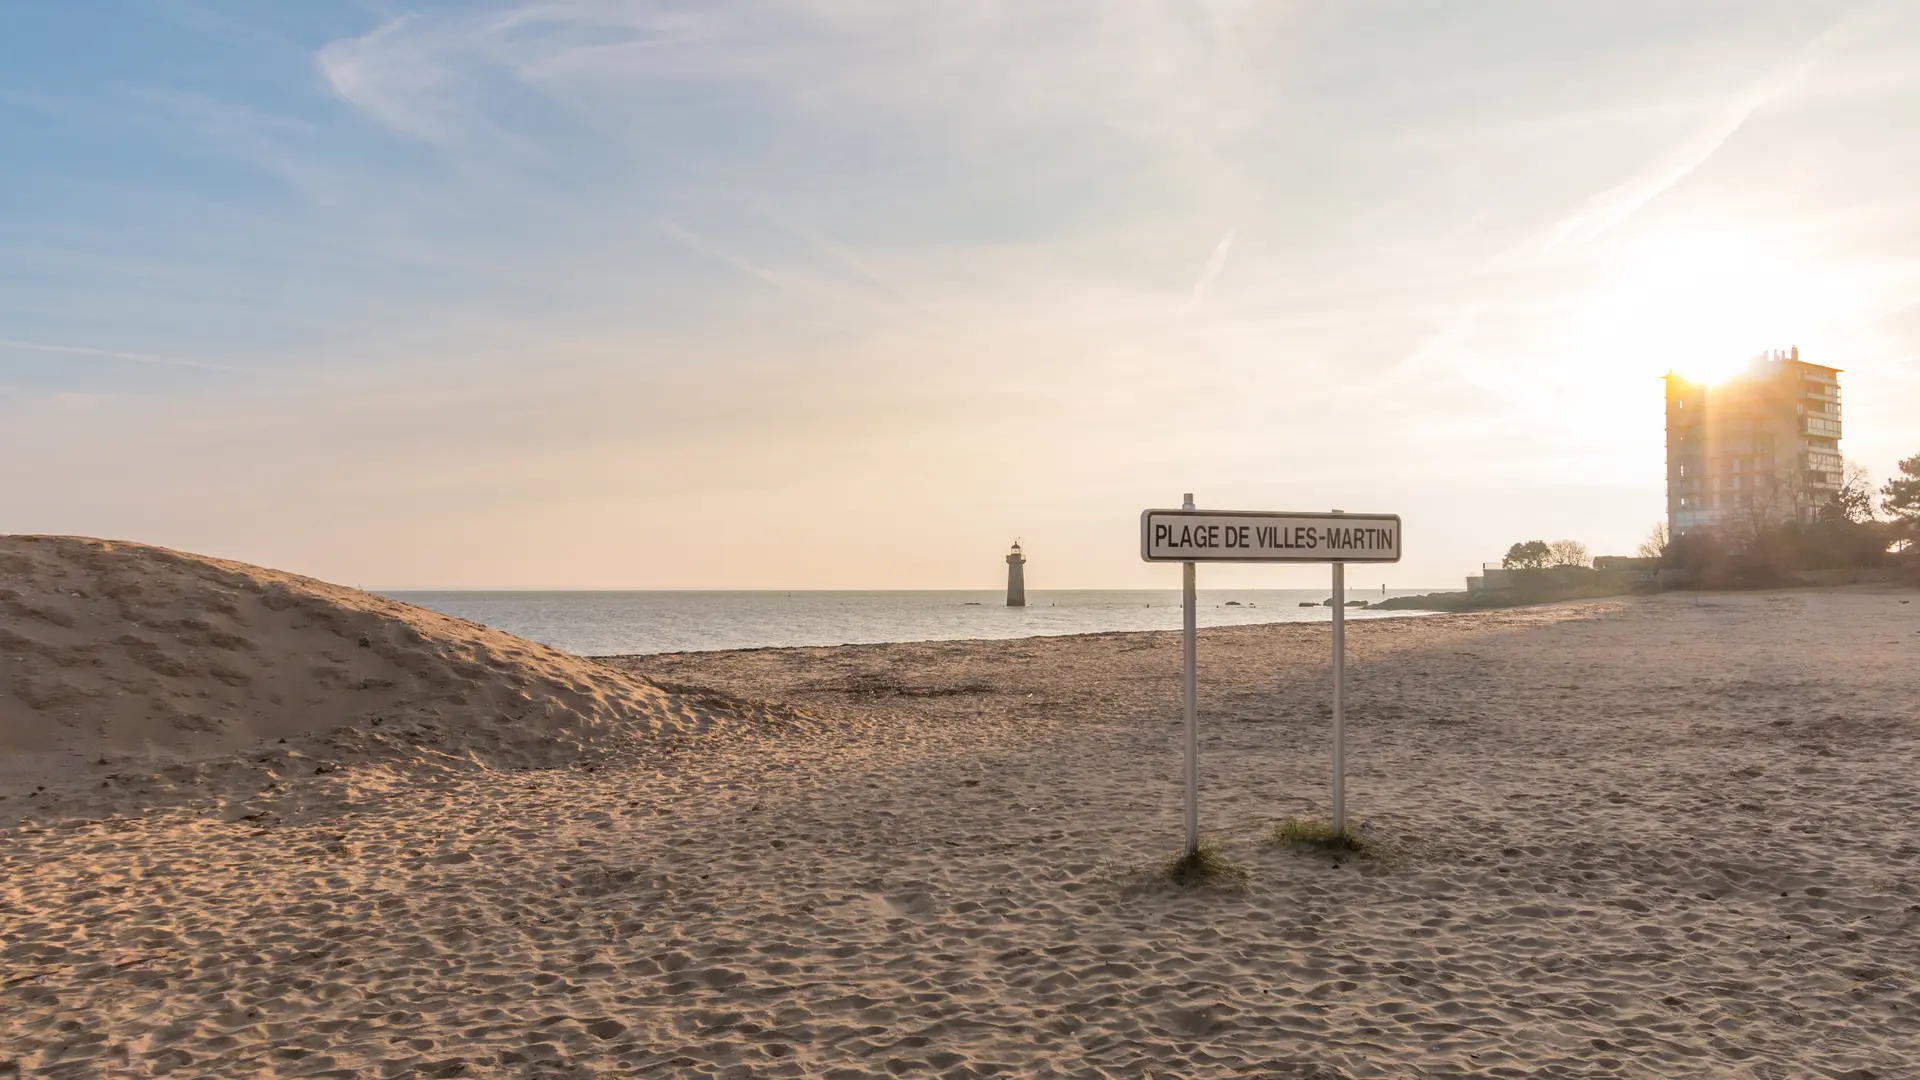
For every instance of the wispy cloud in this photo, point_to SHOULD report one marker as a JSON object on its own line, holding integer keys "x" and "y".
{"x": 118, "y": 355}
{"x": 1215, "y": 263}
{"x": 1180, "y": 74}
{"x": 720, "y": 254}
{"x": 886, "y": 284}
{"x": 1602, "y": 212}
{"x": 398, "y": 76}
{"x": 1607, "y": 209}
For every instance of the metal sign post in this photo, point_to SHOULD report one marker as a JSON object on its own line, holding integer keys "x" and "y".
{"x": 1339, "y": 698}
{"x": 1189, "y": 652}
{"x": 1189, "y": 536}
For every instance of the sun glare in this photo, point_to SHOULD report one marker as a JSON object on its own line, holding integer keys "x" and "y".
{"x": 1703, "y": 304}
{"x": 1712, "y": 370}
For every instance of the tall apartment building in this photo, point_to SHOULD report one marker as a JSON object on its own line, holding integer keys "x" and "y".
{"x": 1760, "y": 448}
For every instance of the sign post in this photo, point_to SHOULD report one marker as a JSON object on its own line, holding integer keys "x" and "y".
{"x": 1189, "y": 655}
{"x": 1189, "y": 536}
{"x": 1339, "y": 698}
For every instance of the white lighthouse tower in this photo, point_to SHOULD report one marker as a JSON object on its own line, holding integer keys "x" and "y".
{"x": 1016, "y": 579}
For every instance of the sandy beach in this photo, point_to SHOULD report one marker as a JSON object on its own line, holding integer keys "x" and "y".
{"x": 1653, "y": 837}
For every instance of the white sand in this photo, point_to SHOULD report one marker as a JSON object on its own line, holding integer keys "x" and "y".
{"x": 1639, "y": 838}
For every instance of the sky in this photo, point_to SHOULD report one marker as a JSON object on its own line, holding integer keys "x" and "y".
{"x": 852, "y": 293}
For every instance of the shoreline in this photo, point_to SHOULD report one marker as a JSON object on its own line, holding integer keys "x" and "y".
{"x": 1351, "y": 615}
{"x": 1372, "y": 613}
{"x": 625, "y": 624}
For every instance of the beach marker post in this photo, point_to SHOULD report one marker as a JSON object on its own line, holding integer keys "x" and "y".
{"x": 1190, "y": 694}
{"x": 1190, "y": 536}
{"x": 1339, "y": 696}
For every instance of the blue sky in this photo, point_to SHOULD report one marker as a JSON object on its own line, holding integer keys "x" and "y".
{"x": 849, "y": 294}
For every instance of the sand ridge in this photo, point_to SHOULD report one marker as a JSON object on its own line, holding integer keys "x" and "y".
{"x": 156, "y": 674}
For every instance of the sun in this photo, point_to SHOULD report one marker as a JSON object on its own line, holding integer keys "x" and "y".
{"x": 1711, "y": 370}
{"x": 1704, "y": 303}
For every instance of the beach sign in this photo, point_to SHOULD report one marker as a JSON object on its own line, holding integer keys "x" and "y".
{"x": 1267, "y": 536}
{"x": 1190, "y": 536}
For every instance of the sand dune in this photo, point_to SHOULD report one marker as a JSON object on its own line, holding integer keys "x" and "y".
{"x": 147, "y": 669}
{"x": 1648, "y": 838}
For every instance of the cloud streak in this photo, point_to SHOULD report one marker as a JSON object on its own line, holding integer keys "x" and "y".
{"x": 1208, "y": 274}
{"x": 119, "y": 355}
{"x": 1608, "y": 209}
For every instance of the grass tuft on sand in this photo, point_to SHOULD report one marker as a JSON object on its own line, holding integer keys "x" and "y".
{"x": 1317, "y": 835}
{"x": 1204, "y": 865}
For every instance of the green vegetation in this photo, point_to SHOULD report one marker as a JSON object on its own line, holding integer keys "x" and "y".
{"x": 1317, "y": 835}
{"x": 1532, "y": 555}
{"x": 1900, "y": 498}
{"x": 1785, "y": 537}
{"x": 1204, "y": 865}
{"x": 1771, "y": 554}
{"x": 1540, "y": 555}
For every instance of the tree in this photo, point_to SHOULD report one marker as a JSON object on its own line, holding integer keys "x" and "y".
{"x": 1532, "y": 555}
{"x": 1854, "y": 501}
{"x": 1702, "y": 551}
{"x": 1655, "y": 545}
{"x": 1568, "y": 553}
{"x": 1900, "y": 498}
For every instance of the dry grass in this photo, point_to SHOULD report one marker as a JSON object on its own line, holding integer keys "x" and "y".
{"x": 1204, "y": 865}
{"x": 1317, "y": 835}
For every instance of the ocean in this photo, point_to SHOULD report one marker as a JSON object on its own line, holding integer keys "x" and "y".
{"x": 624, "y": 623}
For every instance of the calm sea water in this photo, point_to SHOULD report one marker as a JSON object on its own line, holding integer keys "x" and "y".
{"x": 618, "y": 623}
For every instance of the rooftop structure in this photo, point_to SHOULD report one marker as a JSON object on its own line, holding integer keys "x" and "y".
{"x": 1761, "y": 448}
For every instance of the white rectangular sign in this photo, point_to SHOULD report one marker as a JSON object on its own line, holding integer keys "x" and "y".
{"x": 1267, "y": 536}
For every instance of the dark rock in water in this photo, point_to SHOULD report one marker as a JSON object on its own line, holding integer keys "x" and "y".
{"x": 1308, "y": 603}
{"x": 1231, "y": 603}
{"x": 1356, "y": 603}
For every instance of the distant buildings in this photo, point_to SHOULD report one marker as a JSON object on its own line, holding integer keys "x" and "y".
{"x": 1760, "y": 448}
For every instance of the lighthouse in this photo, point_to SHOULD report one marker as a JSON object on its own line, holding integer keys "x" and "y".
{"x": 1016, "y": 580}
